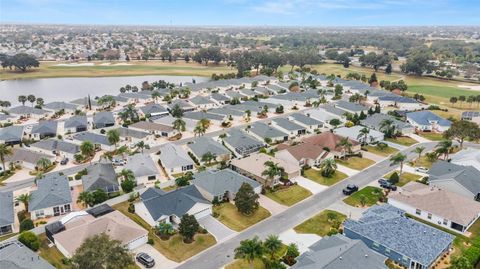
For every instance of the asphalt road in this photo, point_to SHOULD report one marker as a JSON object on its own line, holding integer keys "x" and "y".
{"x": 223, "y": 253}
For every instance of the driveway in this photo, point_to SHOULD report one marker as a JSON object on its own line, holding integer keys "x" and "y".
{"x": 395, "y": 145}
{"x": 349, "y": 171}
{"x": 270, "y": 205}
{"x": 216, "y": 228}
{"x": 371, "y": 156}
{"x": 418, "y": 138}
{"x": 349, "y": 211}
{"x": 309, "y": 184}
{"x": 303, "y": 241}
{"x": 160, "y": 261}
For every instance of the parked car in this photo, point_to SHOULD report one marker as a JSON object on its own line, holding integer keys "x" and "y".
{"x": 350, "y": 189}
{"x": 388, "y": 185}
{"x": 421, "y": 169}
{"x": 382, "y": 181}
{"x": 145, "y": 259}
{"x": 64, "y": 161}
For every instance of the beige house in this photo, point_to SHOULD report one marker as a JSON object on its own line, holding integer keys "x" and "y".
{"x": 303, "y": 154}
{"x": 330, "y": 141}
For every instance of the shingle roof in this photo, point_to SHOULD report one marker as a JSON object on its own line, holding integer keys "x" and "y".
{"x": 141, "y": 165}
{"x": 103, "y": 117}
{"x": 25, "y": 155}
{"x": 92, "y": 137}
{"x": 76, "y": 121}
{"x": 327, "y": 139}
{"x": 304, "y": 119}
{"x": 287, "y": 124}
{"x": 467, "y": 157}
{"x": 388, "y": 226}
{"x": 15, "y": 255}
{"x": 306, "y": 151}
{"x": 151, "y": 126}
{"x": 172, "y": 155}
{"x": 100, "y": 175}
{"x": 198, "y": 115}
{"x": 153, "y": 109}
{"x": 182, "y": 103}
{"x": 374, "y": 121}
{"x": 57, "y": 145}
{"x": 200, "y": 100}
{"x": 45, "y": 127}
{"x": 56, "y": 106}
{"x": 241, "y": 140}
{"x": 52, "y": 190}
{"x": 22, "y": 110}
{"x": 219, "y": 182}
{"x": 266, "y": 131}
{"x": 7, "y": 216}
{"x": 467, "y": 176}
{"x": 226, "y": 111}
{"x": 424, "y": 117}
{"x": 350, "y": 106}
{"x": 126, "y": 132}
{"x": 202, "y": 145}
{"x": 11, "y": 133}
{"x": 219, "y": 97}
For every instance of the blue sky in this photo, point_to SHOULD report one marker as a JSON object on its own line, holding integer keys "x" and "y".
{"x": 243, "y": 12}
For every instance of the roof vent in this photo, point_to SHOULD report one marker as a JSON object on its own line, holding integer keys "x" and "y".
{"x": 340, "y": 257}
{"x": 366, "y": 255}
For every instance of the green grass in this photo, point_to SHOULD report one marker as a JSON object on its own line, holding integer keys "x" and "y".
{"x": 290, "y": 195}
{"x": 405, "y": 177}
{"x": 475, "y": 229}
{"x": 51, "y": 254}
{"x": 169, "y": 188}
{"x": 403, "y": 140}
{"x": 355, "y": 162}
{"x": 229, "y": 215}
{"x": 372, "y": 196}
{"x": 375, "y": 150}
{"x": 432, "y": 136}
{"x": 316, "y": 175}
{"x": 320, "y": 224}
{"x": 7, "y": 236}
{"x": 242, "y": 264}
{"x": 173, "y": 249}
{"x": 423, "y": 162}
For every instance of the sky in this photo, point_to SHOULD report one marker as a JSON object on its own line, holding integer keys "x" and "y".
{"x": 243, "y": 12}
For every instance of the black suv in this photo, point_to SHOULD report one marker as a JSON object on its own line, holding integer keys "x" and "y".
{"x": 350, "y": 189}
{"x": 145, "y": 260}
{"x": 387, "y": 184}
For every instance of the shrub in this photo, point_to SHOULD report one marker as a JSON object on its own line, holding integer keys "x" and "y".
{"x": 30, "y": 240}
{"x": 394, "y": 178}
{"x": 150, "y": 241}
{"x": 22, "y": 215}
{"x": 131, "y": 208}
{"x": 26, "y": 224}
{"x": 472, "y": 254}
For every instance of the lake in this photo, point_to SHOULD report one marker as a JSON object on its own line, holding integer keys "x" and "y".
{"x": 68, "y": 89}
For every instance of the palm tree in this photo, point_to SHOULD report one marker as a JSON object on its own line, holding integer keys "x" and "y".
{"x": 328, "y": 167}
{"x": 208, "y": 157}
{"x": 24, "y": 198}
{"x": 129, "y": 113}
{"x": 127, "y": 174}
{"x": 345, "y": 145}
{"x": 140, "y": 145}
{"x": 250, "y": 250}
{"x": 156, "y": 95}
{"x": 199, "y": 129}
{"x": 363, "y": 133}
{"x": 419, "y": 151}
{"x": 31, "y": 98}
{"x": 388, "y": 127}
{"x": 179, "y": 125}
{"x": 444, "y": 147}
{"x": 44, "y": 163}
{"x": 86, "y": 198}
{"x": 113, "y": 137}
{"x": 272, "y": 170}
{"x": 40, "y": 102}
{"x": 22, "y": 99}
{"x": 87, "y": 148}
{"x": 4, "y": 152}
{"x": 272, "y": 245}
{"x": 399, "y": 158}
{"x": 106, "y": 101}
{"x": 205, "y": 123}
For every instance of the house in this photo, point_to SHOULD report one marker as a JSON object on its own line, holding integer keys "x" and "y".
{"x": 11, "y": 135}
{"x": 169, "y": 120}
{"x": 254, "y": 165}
{"x": 157, "y": 206}
{"x": 15, "y": 255}
{"x": 307, "y": 122}
{"x": 354, "y": 133}
{"x": 222, "y": 184}
{"x": 427, "y": 121}
{"x": 202, "y": 145}
{"x": 303, "y": 154}
{"x": 75, "y": 124}
{"x": 184, "y": 105}
{"x": 467, "y": 157}
{"x": 374, "y": 122}
{"x": 350, "y": 107}
{"x": 438, "y": 206}
{"x": 56, "y": 107}
{"x": 153, "y": 110}
{"x": 103, "y": 119}
{"x": 29, "y": 112}
{"x": 85, "y": 103}
{"x": 132, "y": 137}
{"x": 386, "y": 230}
{"x": 26, "y": 158}
{"x": 202, "y": 103}
{"x": 156, "y": 129}
{"x": 136, "y": 97}
{"x": 220, "y": 99}
{"x": 175, "y": 159}
{"x": 326, "y": 113}
{"x": 289, "y": 127}
{"x": 330, "y": 141}
{"x": 473, "y": 116}
{"x": 6, "y": 119}
{"x": 400, "y": 102}
{"x": 56, "y": 147}
{"x": 464, "y": 180}
{"x": 44, "y": 129}
{"x": 51, "y": 198}
{"x": 241, "y": 143}
{"x": 199, "y": 115}
{"x": 338, "y": 251}
{"x": 100, "y": 176}
{"x": 266, "y": 132}
{"x": 100, "y": 141}
{"x": 7, "y": 213}
{"x": 230, "y": 113}
{"x": 114, "y": 224}
{"x": 143, "y": 167}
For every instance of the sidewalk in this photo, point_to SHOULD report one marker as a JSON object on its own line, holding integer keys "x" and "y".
{"x": 349, "y": 171}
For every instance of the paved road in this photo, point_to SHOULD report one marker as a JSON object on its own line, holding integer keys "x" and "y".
{"x": 222, "y": 254}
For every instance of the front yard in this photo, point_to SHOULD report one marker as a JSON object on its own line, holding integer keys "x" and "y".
{"x": 316, "y": 175}
{"x": 288, "y": 195}
{"x": 405, "y": 177}
{"x": 402, "y": 140}
{"x": 423, "y": 162}
{"x": 355, "y": 162}
{"x": 230, "y": 217}
{"x": 365, "y": 197}
{"x": 432, "y": 136}
{"x": 173, "y": 249}
{"x": 321, "y": 224}
{"x": 382, "y": 152}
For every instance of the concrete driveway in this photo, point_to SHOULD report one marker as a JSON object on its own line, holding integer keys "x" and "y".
{"x": 349, "y": 211}
{"x": 371, "y": 156}
{"x": 270, "y": 205}
{"x": 303, "y": 241}
{"x": 348, "y": 171}
{"x": 216, "y": 228}
{"x": 309, "y": 184}
{"x": 160, "y": 261}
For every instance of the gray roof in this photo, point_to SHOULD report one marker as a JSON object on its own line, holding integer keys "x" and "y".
{"x": 45, "y": 127}
{"x": 15, "y": 255}
{"x": 11, "y": 133}
{"x": 219, "y": 97}
{"x": 100, "y": 175}
{"x": 202, "y": 145}
{"x": 103, "y": 117}
{"x": 52, "y": 190}
{"x": 340, "y": 252}
{"x": 177, "y": 202}
{"x": 141, "y": 165}
{"x": 248, "y": 92}
{"x": 5, "y": 117}
{"x": 126, "y": 132}
{"x": 425, "y": 117}
{"x": 76, "y": 121}
{"x": 234, "y": 94}
{"x": 287, "y": 124}
{"x": 153, "y": 109}
{"x": 350, "y": 106}
{"x": 200, "y": 100}
{"x": 240, "y": 140}
{"x": 470, "y": 114}
{"x": 226, "y": 112}
{"x": 84, "y": 101}
{"x": 172, "y": 155}
{"x": 135, "y": 95}
{"x": 304, "y": 119}
{"x": 218, "y": 182}
{"x": 25, "y": 155}
{"x": 198, "y": 115}
{"x": 467, "y": 176}
{"x": 57, "y": 106}
{"x": 7, "y": 216}
{"x": 389, "y": 227}
{"x": 23, "y": 110}
{"x": 373, "y": 121}
{"x": 92, "y": 137}
{"x": 57, "y": 145}
{"x": 333, "y": 110}
{"x": 266, "y": 131}
{"x": 182, "y": 103}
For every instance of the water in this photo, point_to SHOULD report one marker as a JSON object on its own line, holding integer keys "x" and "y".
{"x": 68, "y": 89}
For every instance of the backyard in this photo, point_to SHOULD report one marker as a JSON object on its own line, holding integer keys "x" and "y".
{"x": 316, "y": 175}
{"x": 382, "y": 152}
{"x": 405, "y": 177}
{"x": 365, "y": 197}
{"x": 229, "y": 215}
{"x": 51, "y": 254}
{"x": 321, "y": 224}
{"x": 289, "y": 195}
{"x": 402, "y": 140}
{"x": 355, "y": 162}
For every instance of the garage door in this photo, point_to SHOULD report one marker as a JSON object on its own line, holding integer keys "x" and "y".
{"x": 138, "y": 242}
{"x": 203, "y": 213}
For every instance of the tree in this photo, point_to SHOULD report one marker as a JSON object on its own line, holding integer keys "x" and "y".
{"x": 418, "y": 62}
{"x": 113, "y": 137}
{"x": 22, "y": 99}
{"x": 128, "y": 182}
{"x": 43, "y": 163}
{"x": 4, "y": 152}
{"x": 26, "y": 224}
{"x": 179, "y": 125}
{"x": 249, "y": 250}
{"x": 461, "y": 130}
{"x": 419, "y": 151}
{"x": 140, "y": 145}
{"x": 85, "y": 198}
{"x": 188, "y": 227}
{"x": 388, "y": 128}
{"x": 30, "y": 240}
{"x": 345, "y": 145}
{"x": 87, "y": 148}
{"x": 177, "y": 111}
{"x": 460, "y": 262}
{"x": 291, "y": 254}
{"x": 394, "y": 178}
{"x": 107, "y": 101}
{"x": 272, "y": 245}
{"x": 363, "y": 133}
{"x": 453, "y": 100}
{"x": 21, "y": 61}
{"x": 208, "y": 157}
{"x": 272, "y": 170}
{"x": 343, "y": 59}
{"x": 199, "y": 129}
{"x": 181, "y": 181}
{"x": 246, "y": 200}
{"x": 24, "y": 199}
{"x": 331, "y": 54}
{"x": 99, "y": 251}
{"x": 31, "y": 98}
{"x": 373, "y": 79}
{"x": 363, "y": 199}
{"x": 388, "y": 69}
{"x": 398, "y": 158}
{"x": 444, "y": 147}
{"x": 99, "y": 196}
{"x": 40, "y": 102}
{"x": 165, "y": 230}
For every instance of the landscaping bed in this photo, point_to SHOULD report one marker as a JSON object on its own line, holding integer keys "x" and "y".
{"x": 321, "y": 224}
{"x": 355, "y": 162}
{"x": 371, "y": 196}
{"x": 316, "y": 175}
{"x": 228, "y": 214}
{"x": 288, "y": 195}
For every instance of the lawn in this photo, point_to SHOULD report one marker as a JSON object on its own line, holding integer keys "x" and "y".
{"x": 7, "y": 236}
{"x": 372, "y": 196}
{"x": 355, "y": 162}
{"x": 375, "y": 150}
{"x": 405, "y": 177}
{"x": 432, "y": 136}
{"x": 174, "y": 248}
{"x": 423, "y": 162}
{"x": 170, "y": 188}
{"x": 229, "y": 215}
{"x": 51, "y": 254}
{"x": 290, "y": 195}
{"x": 403, "y": 140}
{"x": 475, "y": 229}
{"x": 242, "y": 264}
{"x": 316, "y": 176}
{"x": 320, "y": 224}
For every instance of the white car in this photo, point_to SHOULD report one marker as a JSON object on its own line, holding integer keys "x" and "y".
{"x": 421, "y": 169}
